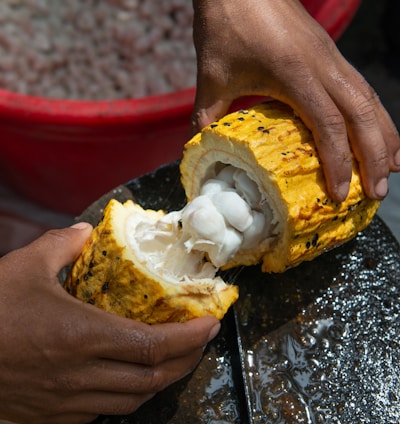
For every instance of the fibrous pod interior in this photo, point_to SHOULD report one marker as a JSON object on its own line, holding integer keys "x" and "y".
{"x": 135, "y": 265}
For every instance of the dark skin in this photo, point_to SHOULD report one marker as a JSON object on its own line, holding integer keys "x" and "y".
{"x": 64, "y": 361}
{"x": 276, "y": 49}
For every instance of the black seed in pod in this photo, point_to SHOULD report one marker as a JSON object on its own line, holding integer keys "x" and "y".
{"x": 87, "y": 276}
{"x": 315, "y": 239}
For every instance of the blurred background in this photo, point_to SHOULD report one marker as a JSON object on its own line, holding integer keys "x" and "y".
{"x": 371, "y": 43}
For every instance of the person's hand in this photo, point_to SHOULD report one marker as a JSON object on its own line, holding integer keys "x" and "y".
{"x": 64, "y": 361}
{"x": 276, "y": 49}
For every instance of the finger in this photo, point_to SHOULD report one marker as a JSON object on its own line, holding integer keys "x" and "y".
{"x": 205, "y": 115}
{"x": 370, "y": 150}
{"x": 384, "y": 124}
{"x": 102, "y": 403}
{"x": 58, "y": 248}
{"x": 320, "y": 114}
{"x": 208, "y": 106}
{"x": 123, "y": 377}
{"x": 122, "y": 339}
{"x": 391, "y": 137}
{"x": 372, "y": 138}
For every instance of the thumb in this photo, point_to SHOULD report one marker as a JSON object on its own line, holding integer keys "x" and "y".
{"x": 60, "y": 247}
{"x": 208, "y": 110}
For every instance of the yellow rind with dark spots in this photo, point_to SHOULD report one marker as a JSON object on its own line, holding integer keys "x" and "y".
{"x": 108, "y": 275}
{"x": 276, "y": 149}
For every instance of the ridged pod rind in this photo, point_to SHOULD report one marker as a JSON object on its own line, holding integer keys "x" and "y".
{"x": 110, "y": 276}
{"x": 277, "y": 151}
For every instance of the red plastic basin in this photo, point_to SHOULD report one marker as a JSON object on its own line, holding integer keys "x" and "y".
{"x": 65, "y": 154}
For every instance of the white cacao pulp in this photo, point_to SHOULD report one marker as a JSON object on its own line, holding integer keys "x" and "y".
{"x": 229, "y": 215}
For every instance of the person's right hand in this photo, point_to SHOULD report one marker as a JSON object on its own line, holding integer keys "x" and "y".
{"x": 64, "y": 361}
{"x": 276, "y": 49}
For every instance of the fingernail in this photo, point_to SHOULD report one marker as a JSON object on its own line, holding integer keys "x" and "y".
{"x": 343, "y": 190}
{"x": 214, "y": 331}
{"x": 80, "y": 226}
{"x": 397, "y": 158}
{"x": 381, "y": 188}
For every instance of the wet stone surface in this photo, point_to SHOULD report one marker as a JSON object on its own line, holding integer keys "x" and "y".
{"x": 337, "y": 360}
{"x": 317, "y": 344}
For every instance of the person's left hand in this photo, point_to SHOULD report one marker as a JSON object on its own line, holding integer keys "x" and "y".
{"x": 63, "y": 361}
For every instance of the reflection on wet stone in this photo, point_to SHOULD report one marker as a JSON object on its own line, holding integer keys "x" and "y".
{"x": 337, "y": 360}
{"x": 319, "y": 343}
